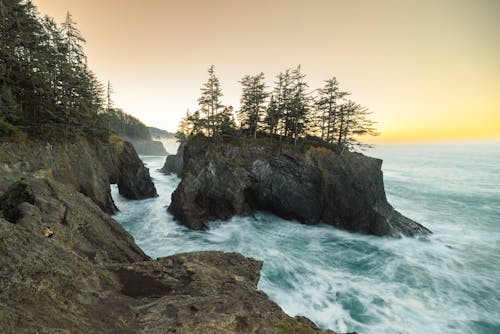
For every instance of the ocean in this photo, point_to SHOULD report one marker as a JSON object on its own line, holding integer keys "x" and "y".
{"x": 448, "y": 282}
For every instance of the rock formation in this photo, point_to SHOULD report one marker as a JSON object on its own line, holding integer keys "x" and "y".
{"x": 314, "y": 186}
{"x": 148, "y": 147}
{"x": 89, "y": 167}
{"x": 174, "y": 162}
{"x": 90, "y": 277}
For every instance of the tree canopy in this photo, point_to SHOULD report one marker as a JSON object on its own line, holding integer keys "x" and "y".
{"x": 290, "y": 112}
{"x": 46, "y": 87}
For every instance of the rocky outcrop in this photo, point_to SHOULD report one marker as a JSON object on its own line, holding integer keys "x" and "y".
{"x": 132, "y": 177}
{"x": 174, "y": 162}
{"x": 148, "y": 147}
{"x": 316, "y": 186}
{"x": 88, "y": 166}
{"x": 90, "y": 277}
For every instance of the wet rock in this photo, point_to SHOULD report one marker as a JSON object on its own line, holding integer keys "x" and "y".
{"x": 90, "y": 277}
{"x": 316, "y": 186}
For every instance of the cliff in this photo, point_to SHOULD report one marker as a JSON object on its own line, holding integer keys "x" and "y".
{"x": 148, "y": 147}
{"x": 90, "y": 277}
{"x": 174, "y": 162}
{"x": 90, "y": 167}
{"x": 314, "y": 186}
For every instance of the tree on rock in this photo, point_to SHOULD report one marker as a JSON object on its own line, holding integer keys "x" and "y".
{"x": 252, "y": 100}
{"x": 210, "y": 103}
{"x": 353, "y": 123}
{"x": 327, "y": 104}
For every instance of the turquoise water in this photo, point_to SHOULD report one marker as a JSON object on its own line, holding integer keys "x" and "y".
{"x": 446, "y": 283}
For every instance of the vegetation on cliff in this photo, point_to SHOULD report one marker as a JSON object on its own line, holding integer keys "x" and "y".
{"x": 289, "y": 113}
{"x": 46, "y": 88}
{"x": 160, "y": 133}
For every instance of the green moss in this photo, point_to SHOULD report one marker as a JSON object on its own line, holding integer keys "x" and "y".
{"x": 292, "y": 326}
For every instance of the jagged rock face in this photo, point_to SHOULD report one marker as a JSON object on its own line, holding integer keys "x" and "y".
{"x": 148, "y": 147}
{"x": 90, "y": 277}
{"x": 174, "y": 162}
{"x": 134, "y": 180}
{"x": 316, "y": 186}
{"x": 88, "y": 166}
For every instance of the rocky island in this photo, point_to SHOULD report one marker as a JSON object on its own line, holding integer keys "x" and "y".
{"x": 313, "y": 184}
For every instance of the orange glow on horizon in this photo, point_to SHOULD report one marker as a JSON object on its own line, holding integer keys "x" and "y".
{"x": 428, "y": 70}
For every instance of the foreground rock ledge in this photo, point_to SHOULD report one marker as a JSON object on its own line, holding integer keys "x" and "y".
{"x": 314, "y": 186}
{"x": 91, "y": 277}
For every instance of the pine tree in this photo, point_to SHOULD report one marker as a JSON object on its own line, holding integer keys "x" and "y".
{"x": 210, "y": 103}
{"x": 327, "y": 109}
{"x": 185, "y": 128}
{"x": 353, "y": 123}
{"x": 44, "y": 68}
{"x": 272, "y": 117}
{"x": 299, "y": 105}
{"x": 252, "y": 102}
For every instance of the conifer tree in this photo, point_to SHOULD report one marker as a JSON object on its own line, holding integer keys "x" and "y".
{"x": 353, "y": 123}
{"x": 329, "y": 97}
{"x": 272, "y": 117}
{"x": 252, "y": 102}
{"x": 210, "y": 103}
{"x": 299, "y": 105}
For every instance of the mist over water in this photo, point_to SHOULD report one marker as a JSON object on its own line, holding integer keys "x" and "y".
{"x": 446, "y": 283}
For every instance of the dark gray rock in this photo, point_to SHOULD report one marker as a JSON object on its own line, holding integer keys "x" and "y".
{"x": 133, "y": 181}
{"x": 317, "y": 186}
{"x": 148, "y": 147}
{"x": 88, "y": 166}
{"x": 174, "y": 162}
{"x": 91, "y": 277}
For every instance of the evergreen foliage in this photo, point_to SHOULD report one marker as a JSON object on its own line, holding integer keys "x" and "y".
{"x": 289, "y": 113}
{"x": 46, "y": 88}
{"x": 125, "y": 125}
{"x": 210, "y": 103}
{"x": 253, "y": 99}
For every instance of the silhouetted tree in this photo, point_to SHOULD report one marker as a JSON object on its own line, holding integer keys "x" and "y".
{"x": 210, "y": 103}
{"x": 299, "y": 105}
{"x": 327, "y": 109}
{"x": 353, "y": 123}
{"x": 252, "y": 100}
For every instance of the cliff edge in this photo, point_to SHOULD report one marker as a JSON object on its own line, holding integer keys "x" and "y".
{"x": 90, "y": 167}
{"x": 90, "y": 276}
{"x": 314, "y": 185}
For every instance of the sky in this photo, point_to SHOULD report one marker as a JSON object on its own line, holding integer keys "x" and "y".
{"x": 428, "y": 70}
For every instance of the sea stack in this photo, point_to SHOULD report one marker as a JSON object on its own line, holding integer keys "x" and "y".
{"x": 314, "y": 185}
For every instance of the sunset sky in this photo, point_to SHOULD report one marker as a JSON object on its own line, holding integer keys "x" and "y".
{"x": 426, "y": 69}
